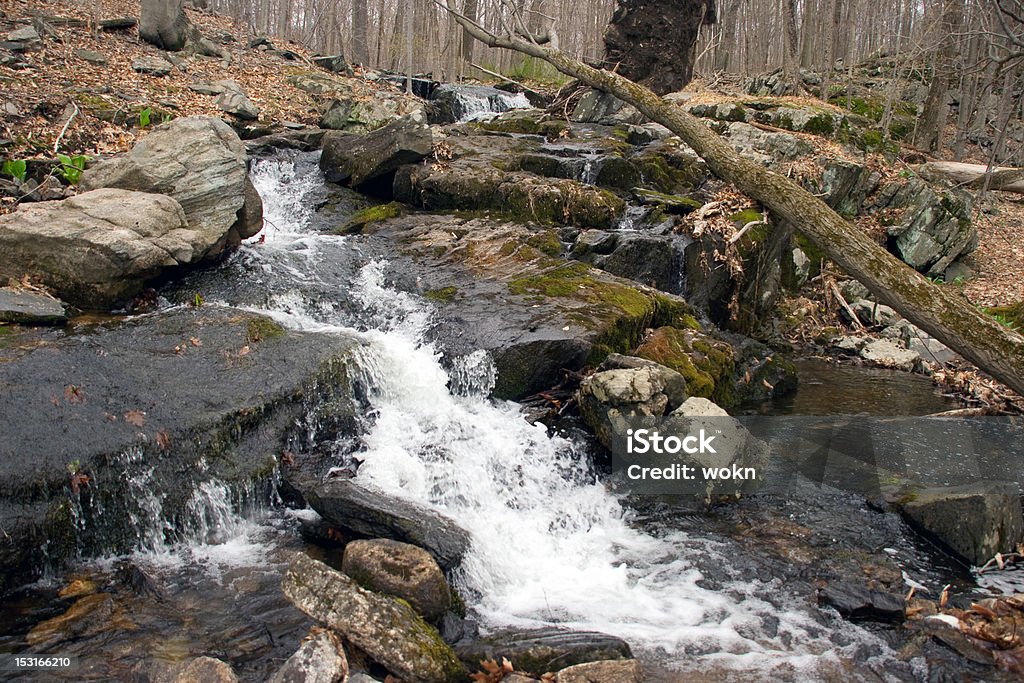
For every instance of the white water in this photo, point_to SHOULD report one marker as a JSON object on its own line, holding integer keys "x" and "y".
{"x": 550, "y": 544}
{"x": 482, "y": 102}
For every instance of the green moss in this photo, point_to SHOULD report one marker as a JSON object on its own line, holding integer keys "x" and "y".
{"x": 741, "y": 218}
{"x": 820, "y": 124}
{"x": 444, "y": 295}
{"x": 673, "y": 203}
{"x": 563, "y": 281}
{"x": 1012, "y": 314}
{"x": 373, "y": 214}
{"x": 673, "y": 312}
{"x": 707, "y": 364}
{"x": 618, "y": 172}
{"x": 546, "y": 241}
{"x": 261, "y": 329}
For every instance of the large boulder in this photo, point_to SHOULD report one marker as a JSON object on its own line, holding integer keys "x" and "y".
{"x": 201, "y": 163}
{"x": 100, "y": 247}
{"x": 112, "y": 443}
{"x": 542, "y": 650}
{"x": 934, "y": 227}
{"x": 399, "y": 569}
{"x": 359, "y": 160}
{"x": 387, "y": 629}
{"x": 368, "y": 511}
{"x": 975, "y": 520}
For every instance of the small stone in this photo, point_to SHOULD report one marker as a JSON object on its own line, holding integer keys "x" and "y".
{"x": 22, "y": 39}
{"x": 855, "y": 600}
{"x": 238, "y": 104}
{"x": 91, "y": 56}
{"x": 320, "y": 659}
{"x": 333, "y": 63}
{"x": 154, "y": 66}
{"x": 11, "y": 109}
{"x": 610, "y": 671}
{"x": 888, "y": 353}
{"x": 871, "y": 313}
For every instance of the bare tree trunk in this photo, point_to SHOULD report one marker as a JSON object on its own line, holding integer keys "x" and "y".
{"x": 164, "y": 24}
{"x": 836, "y": 15}
{"x": 929, "y": 130}
{"x": 790, "y": 58}
{"x": 360, "y": 26}
{"x": 470, "y": 12}
{"x": 943, "y": 313}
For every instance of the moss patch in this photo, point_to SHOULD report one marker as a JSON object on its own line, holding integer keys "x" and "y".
{"x": 546, "y": 241}
{"x": 707, "y": 364}
{"x": 444, "y": 295}
{"x": 261, "y": 329}
{"x": 373, "y": 214}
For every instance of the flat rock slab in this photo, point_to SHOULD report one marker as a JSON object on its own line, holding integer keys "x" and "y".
{"x": 154, "y": 66}
{"x": 857, "y": 601}
{"x": 544, "y": 650}
{"x": 159, "y": 392}
{"x": 29, "y": 308}
{"x": 370, "y": 512}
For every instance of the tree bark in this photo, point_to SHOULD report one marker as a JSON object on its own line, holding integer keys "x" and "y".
{"x": 653, "y": 42}
{"x": 933, "y": 119}
{"x": 790, "y": 52}
{"x": 943, "y": 312}
{"x": 973, "y": 175}
{"x": 164, "y": 24}
{"x": 360, "y": 26}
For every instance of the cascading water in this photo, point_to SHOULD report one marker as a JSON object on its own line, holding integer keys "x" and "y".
{"x": 474, "y": 102}
{"x": 550, "y": 543}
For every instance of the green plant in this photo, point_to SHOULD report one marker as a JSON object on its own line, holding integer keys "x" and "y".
{"x": 1004, "y": 321}
{"x": 71, "y": 167}
{"x": 197, "y": 300}
{"x": 144, "y": 117}
{"x": 16, "y": 168}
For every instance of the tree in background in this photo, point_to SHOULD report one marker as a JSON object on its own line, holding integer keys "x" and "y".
{"x": 653, "y": 43}
{"x": 164, "y": 24}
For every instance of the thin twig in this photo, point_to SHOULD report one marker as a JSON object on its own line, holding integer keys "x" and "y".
{"x": 56, "y": 143}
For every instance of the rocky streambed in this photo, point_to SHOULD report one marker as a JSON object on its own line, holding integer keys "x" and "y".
{"x": 356, "y": 357}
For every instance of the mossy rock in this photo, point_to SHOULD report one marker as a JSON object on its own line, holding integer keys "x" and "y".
{"x": 443, "y": 295}
{"x": 547, "y": 242}
{"x": 368, "y": 216}
{"x": 705, "y": 363}
{"x": 670, "y": 203}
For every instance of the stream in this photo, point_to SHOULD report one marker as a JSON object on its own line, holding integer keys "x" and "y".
{"x": 551, "y": 545}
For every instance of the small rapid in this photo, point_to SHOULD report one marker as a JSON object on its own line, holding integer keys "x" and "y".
{"x": 550, "y": 544}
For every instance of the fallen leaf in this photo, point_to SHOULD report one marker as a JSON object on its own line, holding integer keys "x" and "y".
{"x": 74, "y": 394}
{"x": 135, "y": 417}
{"x": 163, "y": 440}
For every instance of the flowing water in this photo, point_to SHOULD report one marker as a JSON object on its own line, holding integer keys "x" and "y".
{"x": 551, "y": 545}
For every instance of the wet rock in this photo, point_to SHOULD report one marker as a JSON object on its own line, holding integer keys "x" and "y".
{"x": 454, "y": 102}
{"x": 116, "y": 400}
{"x": 777, "y": 146}
{"x": 386, "y": 629}
{"x": 401, "y": 570}
{"x": 320, "y": 659}
{"x": 606, "y": 397}
{"x": 539, "y": 651}
{"x": 975, "y": 521}
{"x": 655, "y": 260}
{"x": 99, "y": 247}
{"x": 88, "y": 616}
{"x": 889, "y": 354}
{"x": 334, "y": 64}
{"x": 855, "y": 600}
{"x": 588, "y": 242}
{"x": 358, "y": 161}
{"x": 346, "y": 110}
{"x": 935, "y": 227}
{"x": 29, "y": 308}
{"x": 153, "y": 66}
{"x": 91, "y": 56}
{"x": 871, "y": 313}
{"x": 613, "y": 671}
{"x": 200, "y": 162}
{"x": 233, "y": 100}
{"x": 370, "y": 512}
{"x": 850, "y": 344}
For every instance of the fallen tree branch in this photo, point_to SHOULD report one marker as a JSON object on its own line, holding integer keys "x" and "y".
{"x": 973, "y": 175}
{"x": 945, "y": 314}
{"x": 504, "y": 78}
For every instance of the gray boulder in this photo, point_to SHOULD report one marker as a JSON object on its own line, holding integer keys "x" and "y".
{"x": 232, "y": 100}
{"x": 610, "y": 397}
{"x": 206, "y": 669}
{"x": 358, "y": 161}
{"x": 370, "y": 512}
{"x": 600, "y": 107}
{"x": 22, "y": 40}
{"x": 153, "y": 66}
{"x": 776, "y": 146}
{"x": 385, "y": 628}
{"x": 99, "y": 247}
{"x": 320, "y": 659}
{"x": 975, "y": 520}
{"x": 935, "y": 228}
{"x": 29, "y": 308}
{"x": 542, "y": 650}
{"x": 333, "y": 63}
{"x": 847, "y": 185}
{"x": 401, "y": 570}
{"x": 871, "y": 313}
{"x": 91, "y": 56}
{"x": 889, "y": 354}
{"x": 200, "y": 162}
